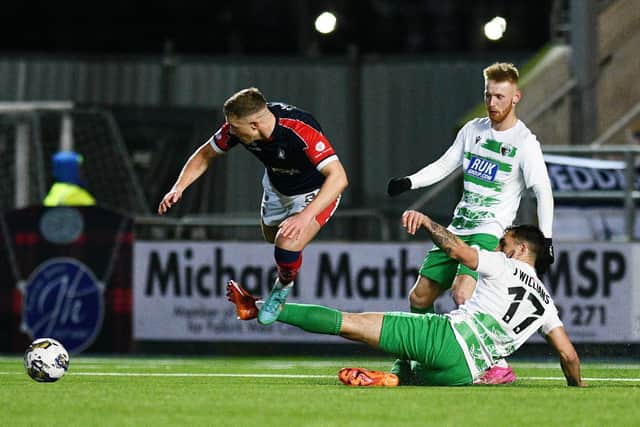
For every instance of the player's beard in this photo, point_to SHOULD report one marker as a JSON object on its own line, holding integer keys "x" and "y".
{"x": 500, "y": 116}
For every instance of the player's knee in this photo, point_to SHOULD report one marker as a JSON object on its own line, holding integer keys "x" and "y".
{"x": 285, "y": 243}
{"x": 424, "y": 293}
{"x": 420, "y": 300}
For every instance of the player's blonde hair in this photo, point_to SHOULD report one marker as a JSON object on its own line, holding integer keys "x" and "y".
{"x": 501, "y": 72}
{"x": 244, "y": 103}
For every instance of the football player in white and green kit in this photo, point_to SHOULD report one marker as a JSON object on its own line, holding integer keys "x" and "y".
{"x": 500, "y": 158}
{"x": 509, "y": 305}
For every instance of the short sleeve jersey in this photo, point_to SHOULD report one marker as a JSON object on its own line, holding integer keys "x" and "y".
{"x": 498, "y": 166}
{"x": 294, "y": 154}
{"x": 509, "y": 305}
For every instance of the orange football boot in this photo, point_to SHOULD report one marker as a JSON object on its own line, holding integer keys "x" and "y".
{"x": 245, "y": 302}
{"x": 361, "y": 377}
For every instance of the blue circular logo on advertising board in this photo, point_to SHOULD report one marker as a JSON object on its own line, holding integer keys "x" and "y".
{"x": 62, "y": 299}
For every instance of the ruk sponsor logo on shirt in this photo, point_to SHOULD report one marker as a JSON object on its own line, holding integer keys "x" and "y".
{"x": 482, "y": 168}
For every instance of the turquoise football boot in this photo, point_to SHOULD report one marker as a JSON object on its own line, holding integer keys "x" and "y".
{"x": 272, "y": 306}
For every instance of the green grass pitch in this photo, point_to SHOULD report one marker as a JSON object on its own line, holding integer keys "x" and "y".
{"x": 304, "y": 391}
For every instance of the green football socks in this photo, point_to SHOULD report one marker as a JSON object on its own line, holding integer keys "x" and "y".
{"x": 312, "y": 318}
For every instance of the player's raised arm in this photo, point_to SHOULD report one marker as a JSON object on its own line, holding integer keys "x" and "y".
{"x": 536, "y": 177}
{"x": 430, "y": 174}
{"x": 569, "y": 360}
{"x": 192, "y": 169}
{"x": 544, "y": 198}
{"x": 443, "y": 238}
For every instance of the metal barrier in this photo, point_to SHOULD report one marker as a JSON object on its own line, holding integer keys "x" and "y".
{"x": 158, "y": 227}
{"x": 175, "y": 228}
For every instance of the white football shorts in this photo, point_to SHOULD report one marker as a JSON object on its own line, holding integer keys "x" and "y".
{"x": 276, "y": 207}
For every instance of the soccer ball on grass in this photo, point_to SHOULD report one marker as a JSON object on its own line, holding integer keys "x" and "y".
{"x": 46, "y": 360}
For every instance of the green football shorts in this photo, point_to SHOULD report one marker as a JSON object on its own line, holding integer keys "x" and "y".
{"x": 441, "y": 269}
{"x": 429, "y": 340}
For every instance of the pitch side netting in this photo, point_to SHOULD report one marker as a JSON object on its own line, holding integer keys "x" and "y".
{"x": 31, "y": 132}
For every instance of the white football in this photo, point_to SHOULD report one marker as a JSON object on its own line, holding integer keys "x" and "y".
{"x": 46, "y": 360}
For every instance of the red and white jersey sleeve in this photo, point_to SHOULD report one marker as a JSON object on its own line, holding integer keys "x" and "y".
{"x": 316, "y": 146}
{"x": 220, "y": 140}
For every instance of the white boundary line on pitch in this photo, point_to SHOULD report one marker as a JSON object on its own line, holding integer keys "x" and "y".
{"x": 584, "y": 379}
{"x": 187, "y": 374}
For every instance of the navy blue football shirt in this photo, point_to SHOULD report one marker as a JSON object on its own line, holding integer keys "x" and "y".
{"x": 294, "y": 154}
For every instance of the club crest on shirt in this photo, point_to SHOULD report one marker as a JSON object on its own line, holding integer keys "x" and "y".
{"x": 478, "y": 138}
{"x": 507, "y": 149}
{"x": 320, "y": 146}
{"x": 281, "y": 154}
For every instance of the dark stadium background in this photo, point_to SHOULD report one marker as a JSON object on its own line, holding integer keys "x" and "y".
{"x": 259, "y": 27}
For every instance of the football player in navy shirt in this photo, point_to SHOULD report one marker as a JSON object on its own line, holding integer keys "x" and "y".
{"x": 302, "y": 183}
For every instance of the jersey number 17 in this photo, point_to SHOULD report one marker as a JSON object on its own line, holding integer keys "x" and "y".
{"x": 519, "y": 293}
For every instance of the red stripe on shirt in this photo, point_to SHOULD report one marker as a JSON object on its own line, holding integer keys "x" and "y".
{"x": 317, "y": 145}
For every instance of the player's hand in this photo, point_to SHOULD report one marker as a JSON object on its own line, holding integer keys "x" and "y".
{"x": 413, "y": 220}
{"x": 550, "y": 253}
{"x": 292, "y": 227}
{"x": 169, "y": 199}
{"x": 546, "y": 257}
{"x": 398, "y": 185}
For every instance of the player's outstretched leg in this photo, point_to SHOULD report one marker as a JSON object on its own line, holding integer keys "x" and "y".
{"x": 245, "y": 303}
{"x": 361, "y": 377}
{"x": 272, "y": 306}
{"x": 311, "y": 318}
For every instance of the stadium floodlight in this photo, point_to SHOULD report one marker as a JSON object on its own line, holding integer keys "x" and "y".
{"x": 494, "y": 29}
{"x": 326, "y": 23}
